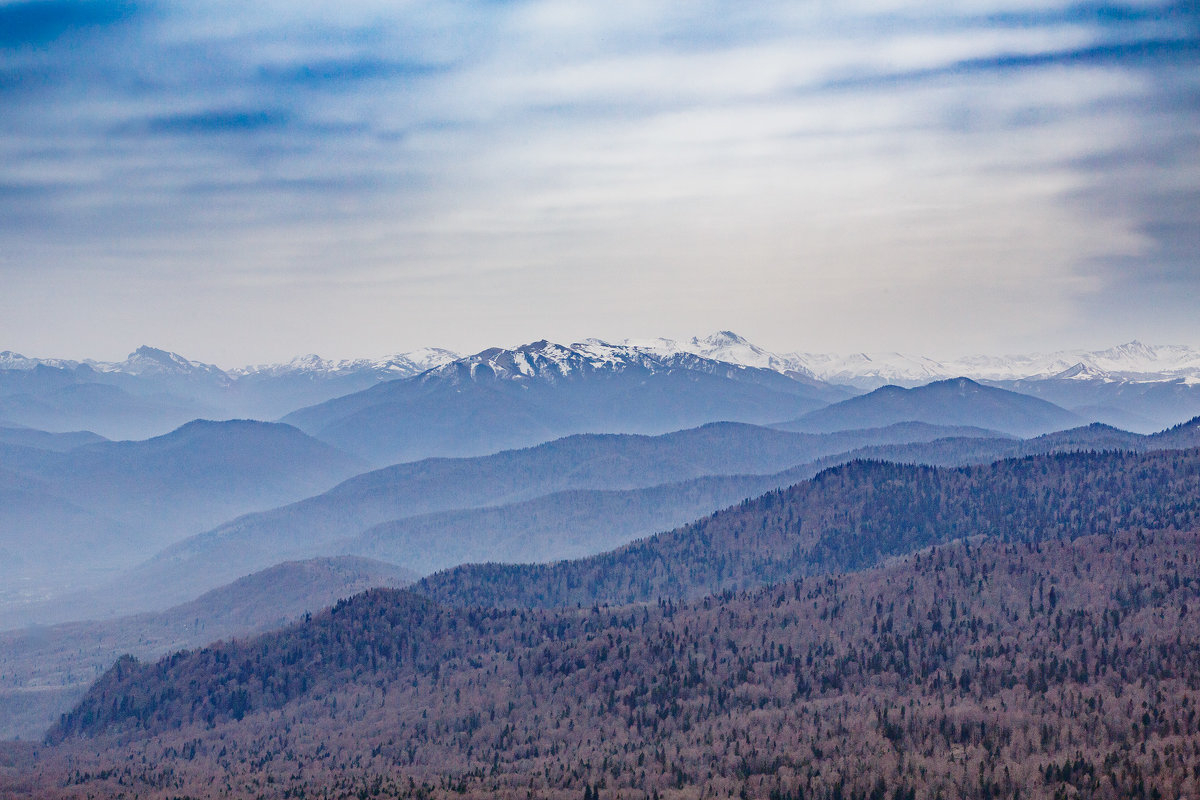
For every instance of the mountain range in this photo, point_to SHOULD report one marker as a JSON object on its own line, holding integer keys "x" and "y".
{"x": 1136, "y": 386}
{"x": 502, "y": 399}
{"x": 880, "y": 630}
{"x": 428, "y": 514}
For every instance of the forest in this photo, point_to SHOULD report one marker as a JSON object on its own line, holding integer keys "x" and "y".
{"x": 1025, "y": 629}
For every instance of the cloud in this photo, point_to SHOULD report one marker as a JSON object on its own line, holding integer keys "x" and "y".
{"x": 37, "y": 23}
{"x": 219, "y": 121}
{"x": 864, "y": 158}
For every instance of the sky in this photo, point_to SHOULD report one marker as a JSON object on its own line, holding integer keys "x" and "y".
{"x": 245, "y": 182}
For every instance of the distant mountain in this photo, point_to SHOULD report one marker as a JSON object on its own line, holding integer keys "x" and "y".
{"x": 43, "y": 440}
{"x": 399, "y": 365}
{"x": 502, "y": 399}
{"x": 1137, "y": 387}
{"x": 507, "y": 496}
{"x": 1133, "y": 386}
{"x": 44, "y": 671}
{"x": 56, "y": 400}
{"x": 153, "y": 391}
{"x": 1134, "y": 361}
{"x": 107, "y": 505}
{"x": 1139, "y": 405}
{"x": 273, "y": 390}
{"x": 953, "y": 402}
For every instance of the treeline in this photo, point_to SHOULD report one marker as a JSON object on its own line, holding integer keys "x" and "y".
{"x": 851, "y": 517}
{"x": 983, "y": 669}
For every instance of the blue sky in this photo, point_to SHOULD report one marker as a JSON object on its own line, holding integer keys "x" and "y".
{"x": 245, "y": 182}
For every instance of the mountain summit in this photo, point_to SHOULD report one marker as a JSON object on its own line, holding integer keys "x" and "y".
{"x": 504, "y": 398}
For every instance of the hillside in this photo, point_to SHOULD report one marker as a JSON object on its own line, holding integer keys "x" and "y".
{"x": 852, "y": 517}
{"x": 977, "y": 670}
{"x": 959, "y": 401}
{"x": 44, "y": 671}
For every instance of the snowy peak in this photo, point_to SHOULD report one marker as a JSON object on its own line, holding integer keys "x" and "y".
{"x": 552, "y": 363}
{"x": 730, "y": 348}
{"x": 398, "y": 365}
{"x": 16, "y": 361}
{"x": 1083, "y": 372}
{"x": 152, "y": 361}
{"x": 540, "y": 360}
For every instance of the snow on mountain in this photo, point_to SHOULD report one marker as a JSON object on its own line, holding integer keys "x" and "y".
{"x": 1083, "y": 372}
{"x": 11, "y": 360}
{"x": 550, "y": 362}
{"x": 399, "y": 365}
{"x": 145, "y": 361}
{"x": 150, "y": 361}
{"x": 1132, "y": 361}
{"x": 730, "y": 348}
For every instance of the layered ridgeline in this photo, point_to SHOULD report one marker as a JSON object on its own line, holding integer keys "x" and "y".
{"x": 852, "y": 517}
{"x": 1133, "y": 386}
{"x": 45, "y": 670}
{"x": 520, "y": 502}
{"x": 67, "y": 517}
{"x": 561, "y": 524}
{"x": 573, "y": 497}
{"x": 154, "y": 391}
{"x": 1038, "y": 657}
{"x": 500, "y": 399}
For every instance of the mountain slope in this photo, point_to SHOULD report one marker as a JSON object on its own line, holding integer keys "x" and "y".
{"x": 851, "y": 517}
{"x": 44, "y": 671}
{"x": 952, "y": 402}
{"x": 502, "y": 399}
{"x": 974, "y": 671}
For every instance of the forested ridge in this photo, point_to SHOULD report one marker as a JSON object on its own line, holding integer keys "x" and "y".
{"x": 1024, "y": 629}
{"x": 850, "y": 517}
{"x": 982, "y": 669}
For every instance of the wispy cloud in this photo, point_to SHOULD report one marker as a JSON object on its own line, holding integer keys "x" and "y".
{"x": 823, "y": 174}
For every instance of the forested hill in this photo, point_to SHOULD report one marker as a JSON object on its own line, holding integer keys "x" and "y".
{"x": 979, "y": 670}
{"x": 850, "y": 517}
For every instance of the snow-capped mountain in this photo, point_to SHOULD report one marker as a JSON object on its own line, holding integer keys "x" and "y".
{"x": 552, "y": 363}
{"x": 727, "y": 346}
{"x": 1132, "y": 361}
{"x": 399, "y": 365}
{"x": 145, "y": 361}
{"x": 11, "y": 360}
{"x": 150, "y": 361}
{"x": 516, "y": 397}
